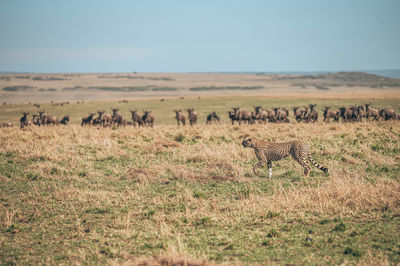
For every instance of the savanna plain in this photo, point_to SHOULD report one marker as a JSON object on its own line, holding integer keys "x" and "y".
{"x": 187, "y": 195}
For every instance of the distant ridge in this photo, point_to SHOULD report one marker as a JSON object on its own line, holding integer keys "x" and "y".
{"x": 390, "y": 73}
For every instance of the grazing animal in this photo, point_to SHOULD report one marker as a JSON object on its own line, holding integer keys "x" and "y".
{"x": 328, "y": 114}
{"x": 64, "y": 120}
{"x": 243, "y": 115}
{"x": 192, "y": 115}
{"x": 96, "y": 121}
{"x": 361, "y": 112}
{"x": 212, "y": 117}
{"x": 267, "y": 152}
{"x": 106, "y": 119}
{"x": 42, "y": 117}
{"x": 36, "y": 120}
{"x": 371, "y": 112}
{"x": 87, "y": 120}
{"x": 24, "y": 121}
{"x": 313, "y": 114}
{"x": 348, "y": 114}
{"x": 352, "y": 114}
{"x": 388, "y": 114}
{"x": 232, "y": 116}
{"x": 136, "y": 118}
{"x": 271, "y": 116}
{"x": 148, "y": 118}
{"x": 281, "y": 115}
{"x": 261, "y": 115}
{"x": 117, "y": 118}
{"x": 305, "y": 114}
{"x": 50, "y": 119}
{"x": 298, "y": 114}
{"x": 180, "y": 117}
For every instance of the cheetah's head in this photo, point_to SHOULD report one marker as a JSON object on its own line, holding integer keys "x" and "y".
{"x": 248, "y": 142}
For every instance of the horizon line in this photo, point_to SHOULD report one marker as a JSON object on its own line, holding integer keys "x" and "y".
{"x": 206, "y": 72}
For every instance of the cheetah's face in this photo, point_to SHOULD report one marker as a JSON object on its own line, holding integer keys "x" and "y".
{"x": 248, "y": 142}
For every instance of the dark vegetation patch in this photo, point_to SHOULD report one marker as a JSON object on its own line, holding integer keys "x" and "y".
{"x": 134, "y": 77}
{"x": 123, "y": 88}
{"x": 49, "y": 89}
{"x": 226, "y": 88}
{"x": 120, "y": 77}
{"x": 321, "y": 87}
{"x": 17, "y": 88}
{"x": 48, "y": 78}
{"x": 139, "y": 88}
{"x": 22, "y": 77}
{"x": 162, "y": 78}
{"x": 73, "y": 88}
{"x": 164, "y": 89}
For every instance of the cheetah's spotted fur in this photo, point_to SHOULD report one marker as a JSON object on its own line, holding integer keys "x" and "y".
{"x": 267, "y": 152}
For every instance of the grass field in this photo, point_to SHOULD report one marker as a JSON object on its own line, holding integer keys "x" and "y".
{"x": 85, "y": 195}
{"x": 164, "y": 115}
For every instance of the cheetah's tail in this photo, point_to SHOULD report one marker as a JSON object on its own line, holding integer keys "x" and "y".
{"x": 320, "y": 167}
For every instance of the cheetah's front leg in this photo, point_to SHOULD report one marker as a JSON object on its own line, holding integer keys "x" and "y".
{"x": 269, "y": 164}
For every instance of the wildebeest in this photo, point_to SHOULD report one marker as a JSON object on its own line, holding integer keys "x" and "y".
{"x": 346, "y": 114}
{"x": 361, "y": 112}
{"x": 262, "y": 115}
{"x": 36, "y": 120}
{"x": 64, "y": 120}
{"x": 192, "y": 115}
{"x": 42, "y": 117}
{"x": 106, "y": 119}
{"x": 312, "y": 115}
{"x": 242, "y": 115}
{"x": 148, "y": 118}
{"x": 298, "y": 114}
{"x": 136, "y": 118}
{"x": 50, "y": 119}
{"x": 387, "y": 114}
{"x": 24, "y": 121}
{"x": 281, "y": 115}
{"x": 87, "y": 120}
{"x": 371, "y": 112}
{"x": 212, "y": 117}
{"x": 350, "y": 114}
{"x": 232, "y": 116}
{"x": 117, "y": 118}
{"x": 180, "y": 117}
{"x": 328, "y": 114}
{"x": 98, "y": 120}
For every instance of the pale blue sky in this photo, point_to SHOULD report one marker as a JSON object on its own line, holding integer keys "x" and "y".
{"x": 199, "y": 36}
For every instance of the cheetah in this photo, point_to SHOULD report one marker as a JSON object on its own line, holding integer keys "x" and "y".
{"x": 267, "y": 152}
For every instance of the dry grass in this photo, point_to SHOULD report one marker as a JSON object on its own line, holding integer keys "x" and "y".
{"x": 187, "y": 196}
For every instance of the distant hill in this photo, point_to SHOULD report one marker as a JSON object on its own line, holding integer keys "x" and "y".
{"x": 349, "y": 79}
{"x": 390, "y": 73}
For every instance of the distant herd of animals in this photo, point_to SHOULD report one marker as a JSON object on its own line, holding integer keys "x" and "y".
{"x": 306, "y": 114}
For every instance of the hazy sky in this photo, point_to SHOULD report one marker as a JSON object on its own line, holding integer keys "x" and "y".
{"x": 199, "y": 36}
